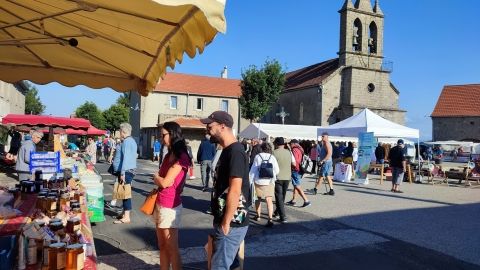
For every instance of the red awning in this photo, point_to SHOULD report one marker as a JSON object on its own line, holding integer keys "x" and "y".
{"x": 90, "y": 131}
{"x": 45, "y": 121}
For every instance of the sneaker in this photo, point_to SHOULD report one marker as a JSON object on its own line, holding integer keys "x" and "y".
{"x": 192, "y": 177}
{"x": 305, "y": 204}
{"x": 292, "y": 203}
{"x": 275, "y": 214}
{"x": 209, "y": 211}
{"x": 314, "y": 191}
{"x": 282, "y": 220}
{"x": 256, "y": 218}
{"x": 331, "y": 192}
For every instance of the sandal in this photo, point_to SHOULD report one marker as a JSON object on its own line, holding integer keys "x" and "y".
{"x": 121, "y": 221}
{"x": 398, "y": 191}
{"x": 256, "y": 218}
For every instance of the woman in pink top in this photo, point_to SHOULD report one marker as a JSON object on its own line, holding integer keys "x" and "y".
{"x": 170, "y": 180}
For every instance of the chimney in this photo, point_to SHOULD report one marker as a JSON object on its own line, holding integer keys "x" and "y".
{"x": 224, "y": 73}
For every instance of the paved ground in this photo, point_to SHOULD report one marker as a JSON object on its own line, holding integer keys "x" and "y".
{"x": 361, "y": 227}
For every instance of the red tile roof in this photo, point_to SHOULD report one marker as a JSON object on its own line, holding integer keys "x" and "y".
{"x": 311, "y": 75}
{"x": 186, "y": 122}
{"x": 458, "y": 100}
{"x": 200, "y": 85}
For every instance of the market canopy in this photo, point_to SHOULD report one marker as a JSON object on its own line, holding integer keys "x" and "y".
{"x": 125, "y": 45}
{"x": 451, "y": 142}
{"x": 90, "y": 131}
{"x": 367, "y": 121}
{"x": 31, "y": 120}
{"x": 300, "y": 132}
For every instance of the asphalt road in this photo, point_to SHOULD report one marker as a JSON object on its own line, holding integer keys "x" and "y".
{"x": 308, "y": 241}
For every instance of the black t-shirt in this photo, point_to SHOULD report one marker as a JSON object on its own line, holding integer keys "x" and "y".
{"x": 233, "y": 162}
{"x": 396, "y": 155}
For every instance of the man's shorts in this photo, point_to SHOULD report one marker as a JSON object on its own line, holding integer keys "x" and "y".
{"x": 397, "y": 176}
{"x": 156, "y": 154}
{"x": 165, "y": 218}
{"x": 325, "y": 169}
{"x": 296, "y": 178}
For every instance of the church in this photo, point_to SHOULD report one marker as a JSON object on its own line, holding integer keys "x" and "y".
{"x": 333, "y": 90}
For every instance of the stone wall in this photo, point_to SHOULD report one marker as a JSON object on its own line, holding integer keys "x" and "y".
{"x": 11, "y": 100}
{"x": 455, "y": 128}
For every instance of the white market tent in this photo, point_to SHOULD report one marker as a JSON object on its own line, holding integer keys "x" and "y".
{"x": 262, "y": 130}
{"x": 367, "y": 121}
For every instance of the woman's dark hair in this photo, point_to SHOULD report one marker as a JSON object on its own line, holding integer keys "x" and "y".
{"x": 266, "y": 148}
{"x": 177, "y": 142}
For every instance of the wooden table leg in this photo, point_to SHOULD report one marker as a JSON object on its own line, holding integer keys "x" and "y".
{"x": 409, "y": 171}
{"x": 381, "y": 174}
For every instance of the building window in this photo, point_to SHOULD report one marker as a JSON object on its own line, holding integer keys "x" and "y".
{"x": 173, "y": 102}
{"x": 224, "y": 106}
{"x": 301, "y": 112}
{"x": 199, "y": 104}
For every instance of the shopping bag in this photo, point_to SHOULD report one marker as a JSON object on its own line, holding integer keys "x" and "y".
{"x": 149, "y": 204}
{"x": 121, "y": 191}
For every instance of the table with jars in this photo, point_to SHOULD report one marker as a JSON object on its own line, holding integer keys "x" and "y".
{"x": 51, "y": 226}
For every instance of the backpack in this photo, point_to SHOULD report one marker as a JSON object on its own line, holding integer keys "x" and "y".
{"x": 306, "y": 165}
{"x": 266, "y": 168}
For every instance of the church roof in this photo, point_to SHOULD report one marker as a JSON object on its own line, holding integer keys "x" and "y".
{"x": 311, "y": 75}
{"x": 200, "y": 85}
{"x": 458, "y": 100}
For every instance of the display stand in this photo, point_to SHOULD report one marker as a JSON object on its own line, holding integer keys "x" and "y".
{"x": 47, "y": 162}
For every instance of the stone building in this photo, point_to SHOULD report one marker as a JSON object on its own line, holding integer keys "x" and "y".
{"x": 12, "y": 98}
{"x": 456, "y": 115}
{"x": 333, "y": 90}
{"x": 185, "y": 99}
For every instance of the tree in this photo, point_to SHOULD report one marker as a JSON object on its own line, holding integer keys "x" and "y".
{"x": 124, "y": 100}
{"x": 33, "y": 105}
{"x": 260, "y": 89}
{"x": 91, "y": 112}
{"x": 115, "y": 115}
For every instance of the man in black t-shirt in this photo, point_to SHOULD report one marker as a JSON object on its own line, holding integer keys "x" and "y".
{"x": 231, "y": 191}
{"x": 398, "y": 164}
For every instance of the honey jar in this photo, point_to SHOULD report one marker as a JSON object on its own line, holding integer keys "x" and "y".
{"x": 56, "y": 256}
{"x": 75, "y": 258}
{"x": 73, "y": 225}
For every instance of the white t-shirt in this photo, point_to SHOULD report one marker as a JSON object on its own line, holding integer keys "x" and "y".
{"x": 254, "y": 170}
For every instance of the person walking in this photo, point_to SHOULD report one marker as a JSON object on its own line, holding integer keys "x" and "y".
{"x": 168, "y": 208}
{"x": 399, "y": 165}
{"x": 23, "y": 156}
{"x": 297, "y": 152}
{"x": 285, "y": 163}
{"x": 231, "y": 191}
{"x": 205, "y": 154}
{"x": 264, "y": 182}
{"x": 380, "y": 154}
{"x": 314, "y": 156}
{"x": 91, "y": 150}
{"x": 326, "y": 163}
{"x": 156, "y": 150}
{"x": 127, "y": 166}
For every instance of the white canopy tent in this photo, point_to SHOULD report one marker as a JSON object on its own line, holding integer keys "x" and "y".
{"x": 262, "y": 130}
{"x": 367, "y": 121}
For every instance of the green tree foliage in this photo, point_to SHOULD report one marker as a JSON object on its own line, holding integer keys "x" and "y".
{"x": 260, "y": 89}
{"x": 91, "y": 112}
{"x": 124, "y": 100}
{"x": 33, "y": 105}
{"x": 115, "y": 115}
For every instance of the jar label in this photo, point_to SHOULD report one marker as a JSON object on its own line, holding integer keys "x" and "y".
{"x": 80, "y": 259}
{"x": 61, "y": 260}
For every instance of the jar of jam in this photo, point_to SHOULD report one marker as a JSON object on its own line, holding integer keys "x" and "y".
{"x": 40, "y": 203}
{"x": 73, "y": 225}
{"x": 56, "y": 256}
{"x": 64, "y": 201}
{"x": 75, "y": 257}
{"x": 56, "y": 227}
{"x": 51, "y": 203}
{"x": 51, "y": 213}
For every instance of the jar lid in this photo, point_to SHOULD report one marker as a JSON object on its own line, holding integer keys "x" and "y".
{"x": 75, "y": 246}
{"x": 57, "y": 245}
{"x": 53, "y": 220}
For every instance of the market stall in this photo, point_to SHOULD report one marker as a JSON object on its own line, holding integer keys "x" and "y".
{"x": 45, "y": 221}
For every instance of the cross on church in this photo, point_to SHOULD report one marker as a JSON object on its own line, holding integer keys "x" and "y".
{"x": 283, "y": 114}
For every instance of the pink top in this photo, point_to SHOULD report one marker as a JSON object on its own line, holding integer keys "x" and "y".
{"x": 170, "y": 197}
{"x": 313, "y": 153}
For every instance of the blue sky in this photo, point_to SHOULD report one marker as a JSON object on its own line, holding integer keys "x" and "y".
{"x": 431, "y": 43}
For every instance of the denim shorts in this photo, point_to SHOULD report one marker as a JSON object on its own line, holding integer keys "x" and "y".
{"x": 296, "y": 178}
{"x": 325, "y": 169}
{"x": 226, "y": 246}
{"x": 397, "y": 176}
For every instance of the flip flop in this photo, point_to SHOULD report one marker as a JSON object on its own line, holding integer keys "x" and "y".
{"x": 119, "y": 221}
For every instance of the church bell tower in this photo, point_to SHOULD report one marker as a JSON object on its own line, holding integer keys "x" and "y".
{"x": 361, "y": 35}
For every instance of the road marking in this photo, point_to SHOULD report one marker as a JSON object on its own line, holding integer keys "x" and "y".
{"x": 266, "y": 246}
